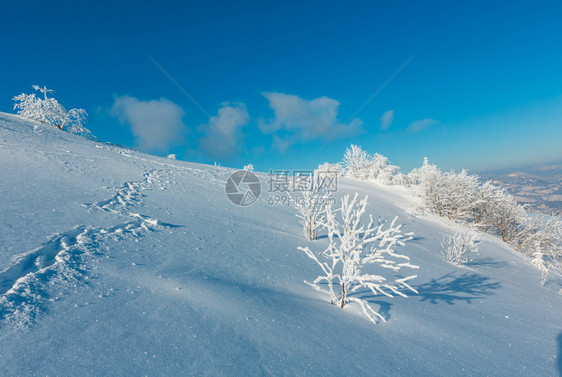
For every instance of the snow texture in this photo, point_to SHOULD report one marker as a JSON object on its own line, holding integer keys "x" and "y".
{"x": 115, "y": 262}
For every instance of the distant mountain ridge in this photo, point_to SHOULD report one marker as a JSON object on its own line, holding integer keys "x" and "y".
{"x": 538, "y": 186}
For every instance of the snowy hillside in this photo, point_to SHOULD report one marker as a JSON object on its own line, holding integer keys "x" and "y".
{"x": 115, "y": 262}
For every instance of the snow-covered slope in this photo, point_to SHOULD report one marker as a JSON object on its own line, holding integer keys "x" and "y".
{"x": 114, "y": 262}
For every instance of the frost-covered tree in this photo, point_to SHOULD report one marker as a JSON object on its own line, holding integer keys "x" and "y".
{"x": 29, "y": 106}
{"x": 249, "y": 167}
{"x": 45, "y": 110}
{"x": 311, "y": 205}
{"x": 43, "y": 90}
{"x": 359, "y": 164}
{"x": 507, "y": 215}
{"x": 73, "y": 122}
{"x": 356, "y": 162}
{"x": 413, "y": 178}
{"x": 483, "y": 206}
{"x": 456, "y": 248}
{"x": 538, "y": 233}
{"x": 540, "y": 264}
{"x": 311, "y": 211}
{"x": 326, "y": 167}
{"x": 459, "y": 194}
{"x": 541, "y": 238}
{"x": 355, "y": 250}
{"x": 417, "y": 175}
{"x": 379, "y": 169}
{"x": 49, "y": 111}
{"x": 393, "y": 176}
{"x": 463, "y": 198}
{"x": 429, "y": 187}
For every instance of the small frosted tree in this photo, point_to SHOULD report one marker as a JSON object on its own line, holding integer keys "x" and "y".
{"x": 483, "y": 205}
{"x": 541, "y": 238}
{"x": 507, "y": 215}
{"x": 429, "y": 181}
{"x": 29, "y": 107}
{"x": 74, "y": 121}
{"x": 45, "y": 110}
{"x": 540, "y": 264}
{"x": 311, "y": 205}
{"x": 458, "y": 194}
{"x": 458, "y": 246}
{"x": 539, "y": 233}
{"x": 354, "y": 250}
{"x": 379, "y": 169}
{"x": 49, "y": 111}
{"x": 359, "y": 164}
{"x": 326, "y": 167}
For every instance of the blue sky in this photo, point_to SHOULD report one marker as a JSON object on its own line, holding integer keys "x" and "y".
{"x": 274, "y": 83}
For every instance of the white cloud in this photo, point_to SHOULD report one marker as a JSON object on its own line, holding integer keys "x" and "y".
{"x": 300, "y": 120}
{"x": 156, "y": 124}
{"x": 386, "y": 119}
{"x": 422, "y": 124}
{"x": 224, "y": 131}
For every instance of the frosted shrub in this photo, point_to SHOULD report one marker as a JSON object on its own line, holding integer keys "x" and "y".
{"x": 429, "y": 182}
{"x": 507, "y": 216}
{"x": 396, "y": 178}
{"x": 541, "y": 237}
{"x": 326, "y": 167}
{"x": 461, "y": 197}
{"x": 379, "y": 169}
{"x": 355, "y": 250}
{"x": 487, "y": 196}
{"x": 311, "y": 205}
{"x": 46, "y": 110}
{"x": 459, "y": 191}
{"x": 50, "y": 111}
{"x": 73, "y": 122}
{"x": 458, "y": 246}
{"x": 359, "y": 164}
{"x": 539, "y": 263}
{"x": 356, "y": 162}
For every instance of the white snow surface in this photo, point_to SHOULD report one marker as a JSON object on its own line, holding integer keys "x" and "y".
{"x": 114, "y": 262}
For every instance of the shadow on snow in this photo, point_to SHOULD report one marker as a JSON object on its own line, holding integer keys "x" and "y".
{"x": 450, "y": 288}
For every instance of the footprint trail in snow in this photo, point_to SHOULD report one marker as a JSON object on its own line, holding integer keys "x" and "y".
{"x": 61, "y": 262}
